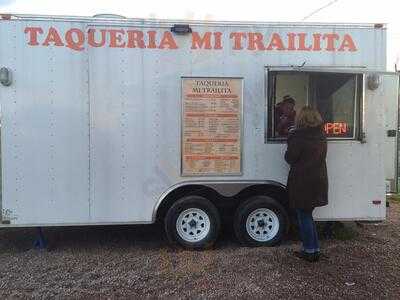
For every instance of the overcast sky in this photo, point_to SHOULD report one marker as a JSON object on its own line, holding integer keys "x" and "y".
{"x": 382, "y": 11}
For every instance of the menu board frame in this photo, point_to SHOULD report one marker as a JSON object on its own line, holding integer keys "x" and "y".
{"x": 212, "y": 174}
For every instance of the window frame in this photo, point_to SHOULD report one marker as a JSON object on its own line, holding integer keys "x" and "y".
{"x": 359, "y": 99}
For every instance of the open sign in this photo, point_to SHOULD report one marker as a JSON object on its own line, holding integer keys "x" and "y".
{"x": 336, "y": 128}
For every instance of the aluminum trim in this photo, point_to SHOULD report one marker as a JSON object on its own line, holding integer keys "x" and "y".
{"x": 396, "y": 156}
{"x": 73, "y": 224}
{"x": 207, "y": 183}
{"x": 321, "y": 68}
{"x": 356, "y": 111}
{"x": 363, "y": 108}
{"x": 396, "y": 173}
{"x": 167, "y": 22}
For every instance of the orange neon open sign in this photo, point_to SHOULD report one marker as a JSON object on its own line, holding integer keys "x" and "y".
{"x": 336, "y": 128}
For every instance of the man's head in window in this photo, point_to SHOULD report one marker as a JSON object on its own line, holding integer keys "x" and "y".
{"x": 285, "y": 116}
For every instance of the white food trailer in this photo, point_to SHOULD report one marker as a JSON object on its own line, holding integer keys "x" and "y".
{"x": 107, "y": 120}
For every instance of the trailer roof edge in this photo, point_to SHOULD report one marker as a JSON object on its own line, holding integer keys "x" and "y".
{"x": 122, "y": 20}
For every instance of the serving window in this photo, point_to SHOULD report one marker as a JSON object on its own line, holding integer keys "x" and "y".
{"x": 335, "y": 95}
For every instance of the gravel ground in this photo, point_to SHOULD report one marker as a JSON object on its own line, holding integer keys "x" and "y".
{"x": 133, "y": 262}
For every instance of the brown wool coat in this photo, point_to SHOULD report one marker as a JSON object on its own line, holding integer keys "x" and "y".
{"x": 308, "y": 180}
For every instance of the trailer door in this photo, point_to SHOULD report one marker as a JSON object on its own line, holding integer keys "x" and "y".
{"x": 390, "y": 94}
{"x": 44, "y": 130}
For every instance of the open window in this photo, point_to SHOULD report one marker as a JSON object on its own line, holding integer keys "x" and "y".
{"x": 337, "y": 96}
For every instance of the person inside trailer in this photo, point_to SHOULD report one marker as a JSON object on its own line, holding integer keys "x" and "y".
{"x": 285, "y": 116}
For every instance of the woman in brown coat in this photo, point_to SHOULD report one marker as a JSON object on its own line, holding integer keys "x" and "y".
{"x": 308, "y": 180}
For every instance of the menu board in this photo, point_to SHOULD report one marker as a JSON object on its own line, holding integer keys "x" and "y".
{"x": 211, "y": 126}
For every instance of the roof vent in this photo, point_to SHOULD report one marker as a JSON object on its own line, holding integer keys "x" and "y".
{"x": 109, "y": 16}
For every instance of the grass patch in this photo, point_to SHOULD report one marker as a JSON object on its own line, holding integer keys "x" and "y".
{"x": 339, "y": 231}
{"x": 343, "y": 232}
{"x": 395, "y": 198}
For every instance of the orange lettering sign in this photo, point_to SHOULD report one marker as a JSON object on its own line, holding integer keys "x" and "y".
{"x": 78, "y": 39}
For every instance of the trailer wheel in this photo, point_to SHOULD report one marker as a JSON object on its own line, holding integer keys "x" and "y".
{"x": 192, "y": 222}
{"x": 260, "y": 221}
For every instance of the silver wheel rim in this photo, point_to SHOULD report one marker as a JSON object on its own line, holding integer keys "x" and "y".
{"x": 193, "y": 225}
{"x": 262, "y": 224}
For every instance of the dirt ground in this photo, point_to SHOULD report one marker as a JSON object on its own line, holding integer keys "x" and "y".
{"x": 133, "y": 262}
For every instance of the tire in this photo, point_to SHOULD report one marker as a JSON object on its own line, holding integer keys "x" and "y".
{"x": 260, "y": 221}
{"x": 193, "y": 222}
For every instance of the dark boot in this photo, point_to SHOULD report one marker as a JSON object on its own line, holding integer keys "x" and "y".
{"x": 310, "y": 257}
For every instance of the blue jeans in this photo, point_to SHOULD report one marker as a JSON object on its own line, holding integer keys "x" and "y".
{"x": 308, "y": 231}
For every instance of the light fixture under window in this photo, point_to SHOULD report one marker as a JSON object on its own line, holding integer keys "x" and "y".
{"x": 373, "y": 81}
{"x": 181, "y": 29}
